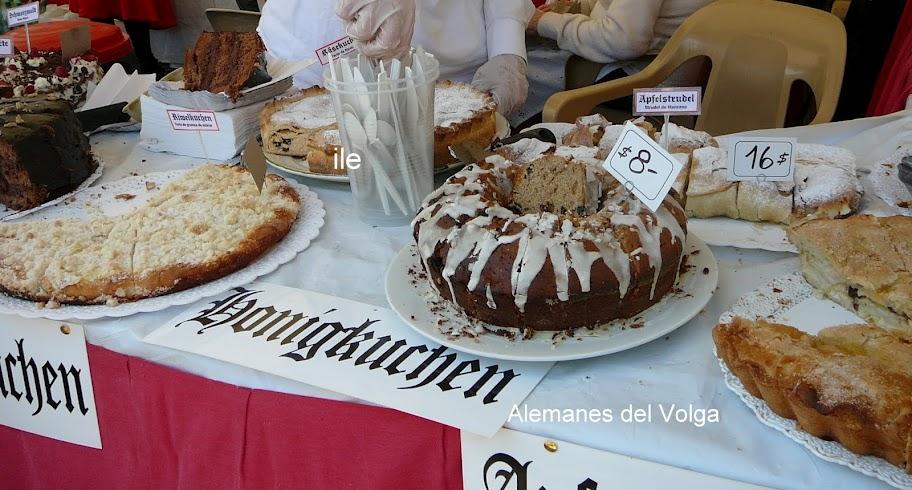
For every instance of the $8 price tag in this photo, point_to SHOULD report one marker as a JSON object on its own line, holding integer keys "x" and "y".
{"x": 643, "y": 166}
{"x": 761, "y": 159}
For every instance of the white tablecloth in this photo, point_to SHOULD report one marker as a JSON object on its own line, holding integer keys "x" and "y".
{"x": 349, "y": 260}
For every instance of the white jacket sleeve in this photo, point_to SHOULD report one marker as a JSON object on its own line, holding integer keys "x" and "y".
{"x": 505, "y": 26}
{"x": 624, "y": 31}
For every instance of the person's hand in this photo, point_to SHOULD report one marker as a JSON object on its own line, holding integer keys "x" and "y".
{"x": 504, "y": 76}
{"x": 379, "y": 28}
{"x": 532, "y": 27}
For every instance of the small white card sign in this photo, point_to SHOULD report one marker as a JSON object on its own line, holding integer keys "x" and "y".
{"x": 643, "y": 166}
{"x": 45, "y": 381}
{"x": 335, "y": 49}
{"x": 761, "y": 159}
{"x": 24, "y": 14}
{"x": 352, "y": 348}
{"x": 7, "y": 48}
{"x": 668, "y": 101}
{"x": 193, "y": 120}
{"x": 521, "y": 461}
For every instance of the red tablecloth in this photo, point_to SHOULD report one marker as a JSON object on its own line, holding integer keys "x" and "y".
{"x": 109, "y": 43}
{"x": 162, "y": 428}
{"x": 159, "y": 13}
{"x": 895, "y": 83}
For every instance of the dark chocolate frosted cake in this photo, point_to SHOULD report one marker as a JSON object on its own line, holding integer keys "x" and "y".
{"x": 225, "y": 62}
{"x": 43, "y": 152}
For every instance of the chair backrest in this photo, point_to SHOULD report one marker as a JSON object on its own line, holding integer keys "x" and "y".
{"x": 229, "y": 20}
{"x": 758, "y": 50}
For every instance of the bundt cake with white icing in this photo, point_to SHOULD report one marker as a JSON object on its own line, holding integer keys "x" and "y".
{"x": 551, "y": 245}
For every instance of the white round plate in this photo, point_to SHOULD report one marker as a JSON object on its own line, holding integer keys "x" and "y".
{"x": 412, "y": 300}
{"x": 124, "y": 195}
{"x": 298, "y": 166}
{"x": 773, "y": 302}
{"x": 7, "y": 214}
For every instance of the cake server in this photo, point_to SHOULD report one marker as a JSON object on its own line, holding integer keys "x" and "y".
{"x": 905, "y": 172}
{"x": 541, "y": 134}
{"x": 93, "y": 119}
{"x": 471, "y": 152}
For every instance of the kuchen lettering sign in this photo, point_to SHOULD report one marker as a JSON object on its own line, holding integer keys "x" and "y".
{"x": 352, "y": 348}
{"x": 45, "y": 382}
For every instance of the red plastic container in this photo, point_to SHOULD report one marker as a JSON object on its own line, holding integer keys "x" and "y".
{"x": 108, "y": 41}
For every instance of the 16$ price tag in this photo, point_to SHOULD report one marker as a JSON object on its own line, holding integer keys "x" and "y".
{"x": 642, "y": 166}
{"x": 761, "y": 159}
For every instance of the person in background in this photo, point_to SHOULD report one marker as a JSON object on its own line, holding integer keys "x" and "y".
{"x": 481, "y": 42}
{"x": 138, "y": 17}
{"x": 625, "y": 35}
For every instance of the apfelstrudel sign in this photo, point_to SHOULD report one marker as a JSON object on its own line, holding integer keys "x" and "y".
{"x": 45, "y": 382}
{"x": 352, "y": 348}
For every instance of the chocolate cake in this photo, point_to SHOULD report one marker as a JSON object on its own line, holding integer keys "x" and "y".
{"x": 47, "y": 73}
{"x": 226, "y": 62}
{"x": 43, "y": 152}
{"x": 552, "y": 245}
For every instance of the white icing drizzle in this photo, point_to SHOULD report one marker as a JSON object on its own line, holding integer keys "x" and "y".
{"x": 540, "y": 238}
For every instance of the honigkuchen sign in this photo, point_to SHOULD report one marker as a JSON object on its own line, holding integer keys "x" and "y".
{"x": 351, "y": 348}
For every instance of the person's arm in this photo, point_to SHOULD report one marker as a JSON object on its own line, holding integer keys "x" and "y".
{"x": 505, "y": 26}
{"x": 504, "y": 74}
{"x": 625, "y": 32}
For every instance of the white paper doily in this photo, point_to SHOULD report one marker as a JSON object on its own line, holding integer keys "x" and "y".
{"x": 774, "y": 302}
{"x": 7, "y": 214}
{"x": 124, "y": 195}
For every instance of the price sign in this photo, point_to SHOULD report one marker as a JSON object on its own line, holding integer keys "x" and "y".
{"x": 762, "y": 159}
{"x": 6, "y": 46}
{"x": 644, "y": 167}
{"x": 23, "y": 15}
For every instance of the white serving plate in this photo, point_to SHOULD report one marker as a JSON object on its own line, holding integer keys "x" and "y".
{"x": 104, "y": 200}
{"x": 299, "y": 166}
{"x": 791, "y": 300}
{"x": 410, "y": 299}
{"x": 7, "y": 214}
{"x": 170, "y": 91}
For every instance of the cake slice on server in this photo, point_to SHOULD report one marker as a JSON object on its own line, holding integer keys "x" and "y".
{"x": 226, "y": 62}
{"x": 864, "y": 263}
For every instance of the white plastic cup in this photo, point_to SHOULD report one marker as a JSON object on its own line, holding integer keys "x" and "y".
{"x": 386, "y": 121}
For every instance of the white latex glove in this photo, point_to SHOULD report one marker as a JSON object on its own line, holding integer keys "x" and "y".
{"x": 505, "y": 77}
{"x": 379, "y": 28}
